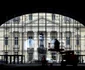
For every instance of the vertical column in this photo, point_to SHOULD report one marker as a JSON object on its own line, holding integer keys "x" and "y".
{"x": 75, "y": 41}
{"x": 48, "y": 38}
{"x": 48, "y": 41}
{"x": 35, "y": 39}
{"x": 63, "y": 36}
{"x": 72, "y": 41}
{"x": 58, "y": 36}
{"x": 70, "y": 35}
{"x": 20, "y": 41}
{"x": 59, "y": 57}
{"x": 12, "y": 42}
{"x": 62, "y": 39}
{"x": 35, "y": 56}
{"x": 24, "y": 41}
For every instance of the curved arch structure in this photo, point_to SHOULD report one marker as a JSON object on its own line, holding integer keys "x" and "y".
{"x": 15, "y": 34}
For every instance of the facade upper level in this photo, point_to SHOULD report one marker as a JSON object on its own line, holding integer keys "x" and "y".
{"x": 42, "y": 19}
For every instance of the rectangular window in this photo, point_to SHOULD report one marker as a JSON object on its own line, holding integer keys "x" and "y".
{"x": 30, "y": 16}
{"x": 77, "y": 40}
{"x": 53, "y": 16}
{"x": 67, "y": 40}
{"x": 67, "y": 19}
{"x": 16, "y": 40}
{"x": 78, "y": 52}
{"x": 61, "y": 35}
{"x": 16, "y": 20}
{"x": 6, "y": 40}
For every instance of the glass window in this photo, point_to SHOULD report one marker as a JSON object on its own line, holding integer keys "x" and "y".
{"x": 61, "y": 35}
{"x": 78, "y": 52}
{"x": 16, "y": 40}
{"x": 77, "y": 40}
{"x": 67, "y": 40}
{"x": 30, "y": 16}
{"x": 16, "y": 20}
{"x": 53, "y": 16}
{"x": 67, "y": 19}
{"x": 6, "y": 41}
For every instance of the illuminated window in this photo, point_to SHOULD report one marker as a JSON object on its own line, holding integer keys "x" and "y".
{"x": 6, "y": 41}
{"x": 53, "y": 16}
{"x": 77, "y": 39}
{"x": 67, "y": 20}
{"x": 16, "y": 20}
{"x": 30, "y": 16}
{"x": 68, "y": 35}
{"x": 16, "y": 40}
{"x": 67, "y": 40}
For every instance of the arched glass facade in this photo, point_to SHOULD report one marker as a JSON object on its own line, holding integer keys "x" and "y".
{"x": 23, "y": 35}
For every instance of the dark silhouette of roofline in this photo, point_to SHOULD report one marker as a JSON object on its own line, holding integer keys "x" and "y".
{"x": 73, "y": 12}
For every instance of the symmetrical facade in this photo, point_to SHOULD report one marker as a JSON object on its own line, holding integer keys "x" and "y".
{"x": 15, "y": 32}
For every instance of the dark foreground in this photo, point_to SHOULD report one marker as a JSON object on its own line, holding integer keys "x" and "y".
{"x": 38, "y": 66}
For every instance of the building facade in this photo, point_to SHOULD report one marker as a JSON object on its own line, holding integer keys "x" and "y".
{"x": 15, "y": 32}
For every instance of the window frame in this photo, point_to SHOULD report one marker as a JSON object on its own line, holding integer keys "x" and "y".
{"x": 15, "y": 40}
{"x": 53, "y": 16}
{"x": 30, "y": 17}
{"x": 5, "y": 40}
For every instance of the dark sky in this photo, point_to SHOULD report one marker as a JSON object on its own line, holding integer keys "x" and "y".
{"x": 12, "y": 9}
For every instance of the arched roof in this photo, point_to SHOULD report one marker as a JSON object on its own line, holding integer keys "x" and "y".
{"x": 72, "y": 12}
{"x": 42, "y": 16}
